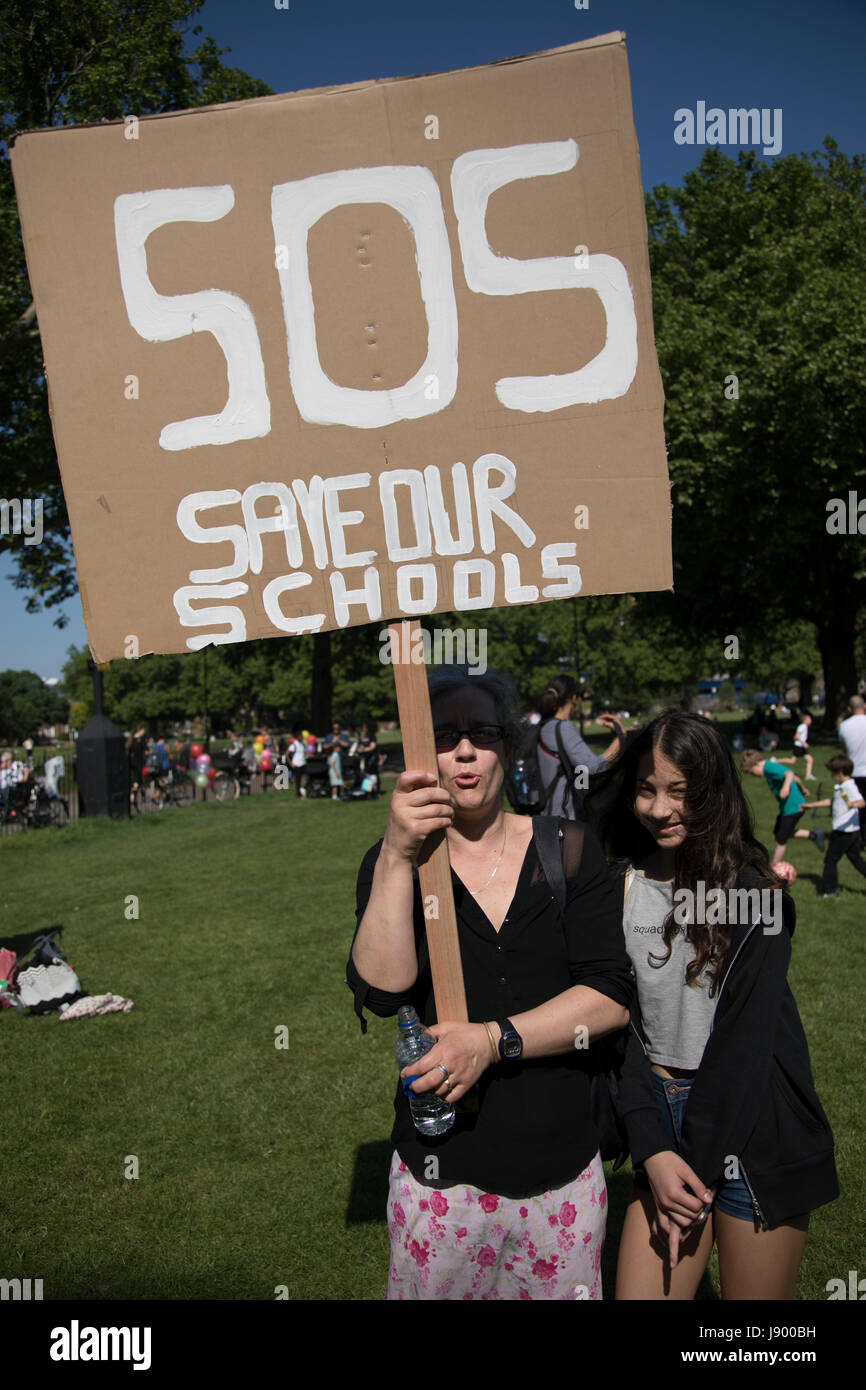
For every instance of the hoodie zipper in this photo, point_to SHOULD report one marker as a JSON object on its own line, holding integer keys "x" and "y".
{"x": 752, "y": 928}
{"x": 759, "y": 1215}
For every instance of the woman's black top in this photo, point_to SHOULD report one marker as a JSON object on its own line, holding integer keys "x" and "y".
{"x": 533, "y": 1129}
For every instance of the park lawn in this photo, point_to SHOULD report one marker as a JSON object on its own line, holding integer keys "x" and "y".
{"x": 264, "y": 1167}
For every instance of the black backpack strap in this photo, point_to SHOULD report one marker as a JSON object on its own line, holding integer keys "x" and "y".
{"x": 564, "y": 759}
{"x": 547, "y": 834}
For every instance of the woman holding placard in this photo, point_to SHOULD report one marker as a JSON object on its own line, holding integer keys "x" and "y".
{"x": 511, "y": 1202}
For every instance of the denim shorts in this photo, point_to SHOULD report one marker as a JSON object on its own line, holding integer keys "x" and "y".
{"x": 672, "y": 1093}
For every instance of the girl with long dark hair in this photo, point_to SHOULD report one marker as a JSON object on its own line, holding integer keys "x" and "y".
{"x": 727, "y": 1135}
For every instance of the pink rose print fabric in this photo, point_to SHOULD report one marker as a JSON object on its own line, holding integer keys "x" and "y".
{"x": 460, "y": 1243}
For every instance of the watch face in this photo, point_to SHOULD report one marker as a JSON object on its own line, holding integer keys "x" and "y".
{"x": 512, "y": 1047}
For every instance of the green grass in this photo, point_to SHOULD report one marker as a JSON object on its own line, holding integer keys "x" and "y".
{"x": 258, "y": 1166}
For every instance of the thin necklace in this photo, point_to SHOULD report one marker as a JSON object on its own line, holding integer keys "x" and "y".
{"x": 476, "y": 891}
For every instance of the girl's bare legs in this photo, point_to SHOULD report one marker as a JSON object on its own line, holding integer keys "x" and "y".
{"x": 643, "y": 1270}
{"x": 759, "y": 1264}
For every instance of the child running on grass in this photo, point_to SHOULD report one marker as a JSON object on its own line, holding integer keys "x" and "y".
{"x": 845, "y": 836}
{"x": 791, "y": 796}
{"x": 801, "y": 744}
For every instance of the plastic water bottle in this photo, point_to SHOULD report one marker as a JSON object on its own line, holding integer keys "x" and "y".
{"x": 520, "y": 779}
{"x": 432, "y": 1114}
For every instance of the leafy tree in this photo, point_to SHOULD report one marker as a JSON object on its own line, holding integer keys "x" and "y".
{"x": 759, "y": 274}
{"x": 67, "y": 62}
{"x": 782, "y": 652}
{"x": 26, "y": 703}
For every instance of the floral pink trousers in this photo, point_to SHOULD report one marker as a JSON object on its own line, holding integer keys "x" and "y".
{"x": 459, "y": 1242}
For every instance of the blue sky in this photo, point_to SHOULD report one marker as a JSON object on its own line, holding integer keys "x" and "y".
{"x": 798, "y": 55}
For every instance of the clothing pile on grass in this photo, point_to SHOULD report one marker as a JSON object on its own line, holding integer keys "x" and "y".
{"x": 43, "y": 982}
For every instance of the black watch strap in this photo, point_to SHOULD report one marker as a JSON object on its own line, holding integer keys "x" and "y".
{"x": 510, "y": 1043}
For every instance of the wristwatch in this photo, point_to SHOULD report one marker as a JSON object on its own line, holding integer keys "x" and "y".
{"x": 511, "y": 1043}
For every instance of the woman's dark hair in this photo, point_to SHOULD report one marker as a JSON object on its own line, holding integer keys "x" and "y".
{"x": 721, "y": 837}
{"x": 560, "y": 689}
{"x": 445, "y": 680}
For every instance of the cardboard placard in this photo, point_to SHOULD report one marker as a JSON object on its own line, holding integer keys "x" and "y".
{"x": 352, "y": 354}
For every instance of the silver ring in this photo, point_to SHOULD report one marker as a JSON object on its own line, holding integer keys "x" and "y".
{"x": 444, "y": 1070}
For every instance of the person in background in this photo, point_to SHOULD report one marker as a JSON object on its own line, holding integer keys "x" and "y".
{"x": 558, "y": 705}
{"x": 158, "y": 764}
{"x": 13, "y": 773}
{"x": 296, "y": 753}
{"x": 336, "y": 739}
{"x": 335, "y": 772}
{"x": 791, "y": 797}
{"x": 847, "y": 807}
{"x": 368, "y": 753}
{"x": 136, "y": 751}
{"x": 852, "y": 732}
{"x": 801, "y": 744}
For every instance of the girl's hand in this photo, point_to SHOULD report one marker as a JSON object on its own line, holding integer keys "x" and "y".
{"x": 418, "y": 807}
{"x": 677, "y": 1208}
{"x": 463, "y": 1049}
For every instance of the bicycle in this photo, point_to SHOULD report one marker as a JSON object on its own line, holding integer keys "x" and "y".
{"x": 172, "y": 788}
{"x": 232, "y": 776}
{"x": 179, "y": 788}
{"x": 43, "y": 809}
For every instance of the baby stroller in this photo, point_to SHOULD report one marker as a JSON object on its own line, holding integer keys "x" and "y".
{"x": 365, "y": 777}
{"x": 318, "y": 781}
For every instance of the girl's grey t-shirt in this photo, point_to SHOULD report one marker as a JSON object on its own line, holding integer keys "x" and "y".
{"x": 677, "y": 1017}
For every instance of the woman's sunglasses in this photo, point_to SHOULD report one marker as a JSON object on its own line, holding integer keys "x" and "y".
{"x": 482, "y": 736}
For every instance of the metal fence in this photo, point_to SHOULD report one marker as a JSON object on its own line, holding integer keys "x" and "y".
{"x": 36, "y": 806}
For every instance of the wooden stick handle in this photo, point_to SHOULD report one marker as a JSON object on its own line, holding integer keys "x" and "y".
{"x": 434, "y": 869}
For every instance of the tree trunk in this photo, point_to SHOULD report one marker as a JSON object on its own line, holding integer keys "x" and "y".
{"x": 836, "y": 645}
{"x": 805, "y": 682}
{"x": 321, "y": 695}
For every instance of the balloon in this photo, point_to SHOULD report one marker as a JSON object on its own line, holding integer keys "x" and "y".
{"x": 210, "y": 774}
{"x": 265, "y": 763}
{"x": 200, "y": 764}
{"x": 201, "y": 779}
{"x": 258, "y": 746}
{"x": 205, "y": 759}
{"x": 195, "y": 750}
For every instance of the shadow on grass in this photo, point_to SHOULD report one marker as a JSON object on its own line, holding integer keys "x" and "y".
{"x": 368, "y": 1197}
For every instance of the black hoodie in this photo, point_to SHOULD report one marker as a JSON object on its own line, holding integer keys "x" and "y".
{"x": 753, "y": 1097}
